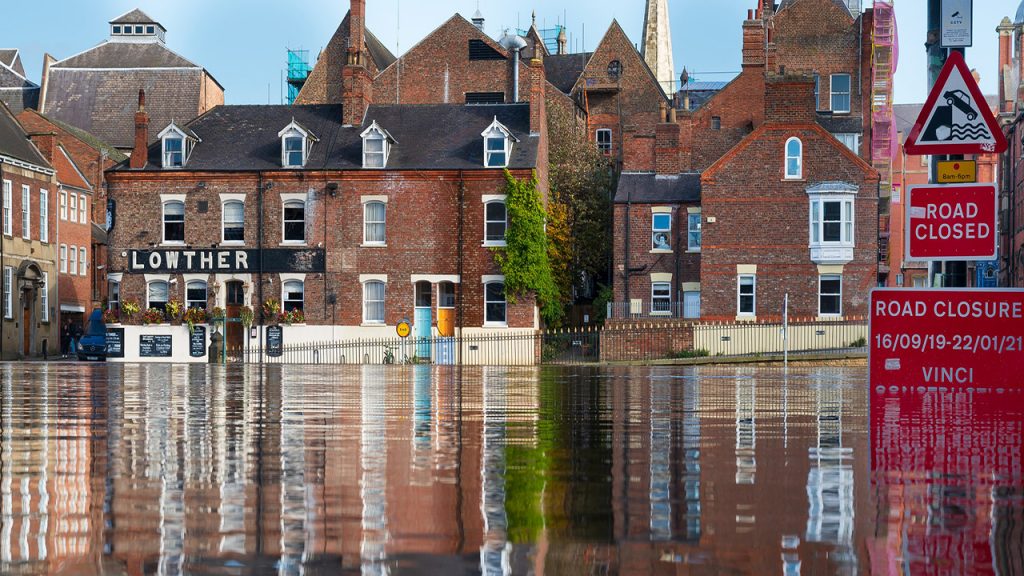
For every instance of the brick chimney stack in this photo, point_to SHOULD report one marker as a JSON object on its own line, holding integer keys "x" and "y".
{"x": 46, "y": 142}
{"x": 789, "y": 99}
{"x": 538, "y": 107}
{"x": 753, "y": 41}
{"x": 140, "y": 151}
{"x": 1005, "y": 31}
{"x": 357, "y": 86}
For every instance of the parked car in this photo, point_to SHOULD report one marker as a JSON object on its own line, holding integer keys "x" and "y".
{"x": 93, "y": 343}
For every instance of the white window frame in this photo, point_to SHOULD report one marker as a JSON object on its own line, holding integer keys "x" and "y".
{"x": 847, "y": 220}
{"x": 72, "y": 260}
{"x": 665, "y": 286}
{"x": 149, "y": 284}
{"x": 284, "y": 205}
{"x": 83, "y": 210}
{"x": 44, "y": 299}
{"x": 495, "y": 199}
{"x": 74, "y": 208}
{"x": 169, "y": 157}
{"x": 848, "y": 138}
{"x": 690, "y": 230}
{"x": 666, "y": 231}
{"x": 383, "y": 222}
{"x": 493, "y": 132}
{"x": 822, "y": 278}
{"x": 383, "y": 302}
{"x": 163, "y": 222}
{"x": 284, "y": 293}
{"x": 44, "y": 215}
{"x": 8, "y": 292}
{"x": 294, "y": 130}
{"x": 686, "y": 294}
{"x": 8, "y": 202}
{"x": 376, "y": 133}
{"x": 224, "y": 221}
{"x": 739, "y": 295}
{"x": 173, "y": 132}
{"x": 603, "y": 147}
{"x": 63, "y": 205}
{"x": 833, "y": 93}
{"x": 286, "y": 153}
{"x": 113, "y": 294}
{"x": 63, "y": 258}
{"x": 83, "y": 262}
{"x": 494, "y": 323}
{"x": 789, "y": 156}
{"x": 26, "y": 212}
{"x": 206, "y": 288}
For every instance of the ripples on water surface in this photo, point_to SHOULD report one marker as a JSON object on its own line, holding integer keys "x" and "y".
{"x": 426, "y": 470}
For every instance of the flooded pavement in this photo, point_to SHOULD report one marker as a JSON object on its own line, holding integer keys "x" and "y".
{"x": 121, "y": 469}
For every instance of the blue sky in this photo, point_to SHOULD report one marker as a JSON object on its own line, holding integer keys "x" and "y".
{"x": 243, "y": 42}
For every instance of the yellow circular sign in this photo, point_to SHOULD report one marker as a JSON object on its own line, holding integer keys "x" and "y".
{"x": 403, "y": 329}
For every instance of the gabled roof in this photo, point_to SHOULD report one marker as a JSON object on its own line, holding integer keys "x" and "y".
{"x": 68, "y": 172}
{"x": 787, "y": 3}
{"x": 297, "y": 126}
{"x": 650, "y": 188}
{"x": 15, "y": 143}
{"x": 135, "y": 17}
{"x": 11, "y": 58}
{"x": 433, "y": 137}
{"x": 126, "y": 55}
{"x": 374, "y": 127}
{"x": 563, "y": 70}
{"x": 93, "y": 142}
{"x": 323, "y": 85}
{"x": 173, "y": 127}
{"x": 616, "y": 28}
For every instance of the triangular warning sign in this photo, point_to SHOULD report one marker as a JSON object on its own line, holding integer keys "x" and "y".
{"x": 955, "y": 119}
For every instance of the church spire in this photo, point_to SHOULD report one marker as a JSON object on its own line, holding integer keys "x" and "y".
{"x": 657, "y": 44}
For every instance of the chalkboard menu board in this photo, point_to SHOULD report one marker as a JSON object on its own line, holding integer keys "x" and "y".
{"x": 197, "y": 342}
{"x": 115, "y": 342}
{"x": 275, "y": 341}
{"x": 155, "y": 346}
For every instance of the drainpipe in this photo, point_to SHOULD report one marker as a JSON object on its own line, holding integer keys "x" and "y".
{"x": 459, "y": 265}
{"x": 259, "y": 248}
{"x": 679, "y": 247}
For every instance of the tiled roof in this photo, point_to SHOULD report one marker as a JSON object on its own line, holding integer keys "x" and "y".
{"x": 134, "y": 17}
{"x": 18, "y": 100}
{"x": 67, "y": 172}
{"x": 563, "y": 70}
{"x": 430, "y": 137}
{"x": 15, "y": 143}
{"x": 103, "y": 102}
{"x": 126, "y": 55}
{"x": 382, "y": 57}
{"x": 649, "y": 188}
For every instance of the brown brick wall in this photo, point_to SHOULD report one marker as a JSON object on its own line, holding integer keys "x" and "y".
{"x": 683, "y": 265}
{"x": 628, "y": 340}
{"x": 762, "y": 219}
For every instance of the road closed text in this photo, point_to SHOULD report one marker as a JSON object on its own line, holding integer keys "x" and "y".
{"x": 946, "y": 221}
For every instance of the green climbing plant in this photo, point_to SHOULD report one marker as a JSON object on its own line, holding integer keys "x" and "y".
{"x": 524, "y": 259}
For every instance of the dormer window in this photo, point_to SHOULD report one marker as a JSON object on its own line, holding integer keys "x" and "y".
{"x": 377, "y": 144}
{"x": 498, "y": 142}
{"x": 296, "y": 142}
{"x": 176, "y": 146}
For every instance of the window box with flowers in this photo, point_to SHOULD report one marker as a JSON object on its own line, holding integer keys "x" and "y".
{"x": 272, "y": 310}
{"x": 130, "y": 308}
{"x": 112, "y": 317}
{"x": 194, "y": 316}
{"x": 153, "y": 316}
{"x": 291, "y": 317}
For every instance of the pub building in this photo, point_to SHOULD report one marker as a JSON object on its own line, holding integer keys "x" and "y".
{"x": 359, "y": 215}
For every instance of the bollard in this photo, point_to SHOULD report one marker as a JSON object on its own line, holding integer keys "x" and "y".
{"x": 215, "y": 350}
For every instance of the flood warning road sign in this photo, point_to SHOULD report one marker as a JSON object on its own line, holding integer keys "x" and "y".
{"x": 955, "y": 119}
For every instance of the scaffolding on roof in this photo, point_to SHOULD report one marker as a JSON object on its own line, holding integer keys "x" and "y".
{"x": 298, "y": 71}
{"x": 884, "y": 144}
{"x": 549, "y": 35}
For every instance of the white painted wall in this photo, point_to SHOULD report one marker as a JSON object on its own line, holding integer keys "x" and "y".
{"x": 179, "y": 344}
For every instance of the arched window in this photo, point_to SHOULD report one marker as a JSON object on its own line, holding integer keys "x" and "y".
{"x": 157, "y": 295}
{"x": 195, "y": 294}
{"x": 794, "y": 159}
{"x": 294, "y": 221}
{"x": 373, "y": 302}
{"x": 174, "y": 222}
{"x": 373, "y": 223}
{"x": 446, "y": 295}
{"x": 292, "y": 295}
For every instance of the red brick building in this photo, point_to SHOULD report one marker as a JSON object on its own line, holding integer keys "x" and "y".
{"x": 1011, "y": 162}
{"x": 358, "y": 225}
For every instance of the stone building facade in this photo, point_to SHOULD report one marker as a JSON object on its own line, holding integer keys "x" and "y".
{"x": 28, "y": 246}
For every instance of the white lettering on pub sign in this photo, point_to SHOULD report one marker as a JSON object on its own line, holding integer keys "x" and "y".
{"x": 190, "y": 260}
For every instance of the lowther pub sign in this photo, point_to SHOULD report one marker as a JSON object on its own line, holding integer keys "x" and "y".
{"x": 224, "y": 261}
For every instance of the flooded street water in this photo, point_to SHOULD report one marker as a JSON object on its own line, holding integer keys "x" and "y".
{"x": 122, "y": 469}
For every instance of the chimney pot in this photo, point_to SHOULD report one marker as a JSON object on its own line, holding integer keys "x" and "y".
{"x": 140, "y": 151}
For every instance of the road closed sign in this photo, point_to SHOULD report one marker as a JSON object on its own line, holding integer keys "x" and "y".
{"x": 951, "y": 222}
{"x": 947, "y": 338}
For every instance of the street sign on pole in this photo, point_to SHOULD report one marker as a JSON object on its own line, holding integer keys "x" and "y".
{"x": 951, "y": 338}
{"x": 957, "y": 172}
{"x": 956, "y": 25}
{"x": 951, "y": 222}
{"x": 956, "y": 118}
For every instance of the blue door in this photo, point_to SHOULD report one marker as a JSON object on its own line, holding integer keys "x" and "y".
{"x": 422, "y": 319}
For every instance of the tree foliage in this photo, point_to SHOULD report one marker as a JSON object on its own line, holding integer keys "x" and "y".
{"x": 581, "y": 187}
{"x": 524, "y": 259}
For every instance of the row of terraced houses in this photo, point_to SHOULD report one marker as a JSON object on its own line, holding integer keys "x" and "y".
{"x": 379, "y": 195}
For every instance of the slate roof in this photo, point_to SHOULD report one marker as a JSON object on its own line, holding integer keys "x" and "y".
{"x": 126, "y": 55}
{"x": 9, "y": 57}
{"x": 382, "y": 57}
{"x": 134, "y": 17}
{"x": 431, "y": 137}
{"x": 563, "y": 70}
{"x": 649, "y": 188}
{"x": 841, "y": 123}
{"x": 18, "y": 100}
{"x": 15, "y": 143}
{"x": 103, "y": 102}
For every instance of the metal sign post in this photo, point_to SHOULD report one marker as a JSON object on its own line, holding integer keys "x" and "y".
{"x": 785, "y": 332}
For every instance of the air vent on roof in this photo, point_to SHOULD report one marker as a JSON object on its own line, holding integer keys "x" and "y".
{"x": 485, "y": 97}
{"x": 480, "y": 50}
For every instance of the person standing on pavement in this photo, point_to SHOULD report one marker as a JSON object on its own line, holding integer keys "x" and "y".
{"x": 65, "y": 338}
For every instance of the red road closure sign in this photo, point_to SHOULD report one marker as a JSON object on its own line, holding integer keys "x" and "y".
{"x": 951, "y": 222}
{"x": 948, "y": 338}
{"x": 956, "y": 118}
